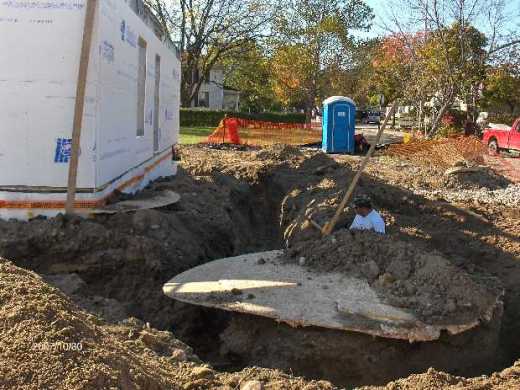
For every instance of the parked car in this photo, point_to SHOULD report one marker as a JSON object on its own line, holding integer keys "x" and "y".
{"x": 371, "y": 117}
{"x": 502, "y": 137}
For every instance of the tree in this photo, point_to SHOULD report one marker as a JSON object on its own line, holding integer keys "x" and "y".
{"x": 315, "y": 35}
{"x": 348, "y": 77}
{"x": 501, "y": 88}
{"x": 295, "y": 76}
{"x": 250, "y": 72}
{"x": 391, "y": 67}
{"x": 451, "y": 60}
{"x": 208, "y": 31}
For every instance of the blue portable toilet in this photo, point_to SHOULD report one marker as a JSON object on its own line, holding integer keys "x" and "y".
{"x": 339, "y": 121}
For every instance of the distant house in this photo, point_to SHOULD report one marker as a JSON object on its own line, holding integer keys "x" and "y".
{"x": 215, "y": 96}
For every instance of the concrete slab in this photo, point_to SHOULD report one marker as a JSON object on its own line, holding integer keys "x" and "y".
{"x": 260, "y": 284}
{"x": 159, "y": 199}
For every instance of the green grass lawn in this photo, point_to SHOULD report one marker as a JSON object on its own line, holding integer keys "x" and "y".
{"x": 194, "y": 135}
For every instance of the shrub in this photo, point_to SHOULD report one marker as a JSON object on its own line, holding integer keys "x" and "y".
{"x": 207, "y": 118}
{"x": 506, "y": 119}
{"x": 454, "y": 118}
{"x": 449, "y": 131}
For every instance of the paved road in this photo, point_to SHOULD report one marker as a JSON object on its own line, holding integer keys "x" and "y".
{"x": 389, "y": 136}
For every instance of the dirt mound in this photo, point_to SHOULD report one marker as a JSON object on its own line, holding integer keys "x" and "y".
{"x": 415, "y": 176}
{"x": 481, "y": 178}
{"x": 433, "y": 380}
{"x": 47, "y": 342}
{"x": 405, "y": 276}
{"x": 279, "y": 152}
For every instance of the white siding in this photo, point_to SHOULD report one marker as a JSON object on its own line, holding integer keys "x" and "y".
{"x": 119, "y": 147}
{"x": 214, "y": 90}
{"x": 38, "y": 72}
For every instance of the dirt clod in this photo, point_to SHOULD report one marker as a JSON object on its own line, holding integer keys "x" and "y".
{"x": 252, "y": 385}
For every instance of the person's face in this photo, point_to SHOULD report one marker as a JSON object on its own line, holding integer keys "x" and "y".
{"x": 363, "y": 211}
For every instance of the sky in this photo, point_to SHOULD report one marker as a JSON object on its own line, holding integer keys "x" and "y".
{"x": 380, "y": 9}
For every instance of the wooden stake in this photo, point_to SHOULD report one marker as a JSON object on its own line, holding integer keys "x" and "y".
{"x": 79, "y": 104}
{"x": 329, "y": 226}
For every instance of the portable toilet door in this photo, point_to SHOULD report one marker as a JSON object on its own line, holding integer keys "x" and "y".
{"x": 339, "y": 119}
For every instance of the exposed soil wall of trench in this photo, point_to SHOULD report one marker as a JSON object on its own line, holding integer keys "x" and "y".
{"x": 353, "y": 359}
{"x": 115, "y": 266}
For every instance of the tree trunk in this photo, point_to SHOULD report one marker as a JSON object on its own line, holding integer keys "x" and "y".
{"x": 437, "y": 120}
{"x": 309, "y": 105}
{"x": 419, "y": 116}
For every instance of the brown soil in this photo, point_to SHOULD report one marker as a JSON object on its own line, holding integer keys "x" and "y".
{"x": 405, "y": 276}
{"x": 431, "y": 177}
{"x": 483, "y": 240}
{"x": 127, "y": 257}
{"x": 239, "y": 201}
{"x": 507, "y": 379}
{"x": 352, "y": 359}
{"x": 48, "y": 342}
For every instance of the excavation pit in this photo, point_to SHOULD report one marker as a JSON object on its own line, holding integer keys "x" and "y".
{"x": 342, "y": 326}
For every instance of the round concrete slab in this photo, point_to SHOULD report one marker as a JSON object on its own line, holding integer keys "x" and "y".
{"x": 159, "y": 199}
{"x": 260, "y": 284}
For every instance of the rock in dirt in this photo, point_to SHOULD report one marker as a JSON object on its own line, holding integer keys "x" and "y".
{"x": 202, "y": 372}
{"x": 72, "y": 285}
{"x": 405, "y": 276}
{"x": 252, "y": 385}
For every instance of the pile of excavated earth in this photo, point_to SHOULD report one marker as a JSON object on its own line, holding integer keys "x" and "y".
{"x": 481, "y": 185}
{"x": 48, "y": 342}
{"x": 404, "y": 276}
{"x": 111, "y": 268}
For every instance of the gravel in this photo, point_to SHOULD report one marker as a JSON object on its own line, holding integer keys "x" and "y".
{"x": 509, "y": 196}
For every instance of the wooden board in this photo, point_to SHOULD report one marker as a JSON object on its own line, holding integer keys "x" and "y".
{"x": 79, "y": 103}
{"x": 259, "y": 284}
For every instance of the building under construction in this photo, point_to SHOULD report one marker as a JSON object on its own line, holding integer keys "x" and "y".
{"x": 130, "y": 119}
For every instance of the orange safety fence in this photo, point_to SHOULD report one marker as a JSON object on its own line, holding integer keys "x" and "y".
{"x": 261, "y": 133}
{"x": 444, "y": 152}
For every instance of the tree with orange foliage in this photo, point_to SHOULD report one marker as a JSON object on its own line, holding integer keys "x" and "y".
{"x": 310, "y": 37}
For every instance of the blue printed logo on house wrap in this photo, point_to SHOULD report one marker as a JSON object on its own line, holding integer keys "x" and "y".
{"x": 63, "y": 150}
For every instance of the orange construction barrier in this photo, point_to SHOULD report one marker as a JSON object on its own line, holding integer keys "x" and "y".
{"x": 260, "y": 133}
{"x": 231, "y": 124}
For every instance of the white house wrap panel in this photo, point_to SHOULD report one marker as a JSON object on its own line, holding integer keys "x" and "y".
{"x": 41, "y": 44}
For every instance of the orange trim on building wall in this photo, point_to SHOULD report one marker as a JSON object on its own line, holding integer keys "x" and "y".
{"x": 80, "y": 204}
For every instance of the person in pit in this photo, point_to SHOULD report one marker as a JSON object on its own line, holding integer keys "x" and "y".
{"x": 366, "y": 217}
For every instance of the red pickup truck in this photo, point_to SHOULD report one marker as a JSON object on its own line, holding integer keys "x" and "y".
{"x": 502, "y": 138}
